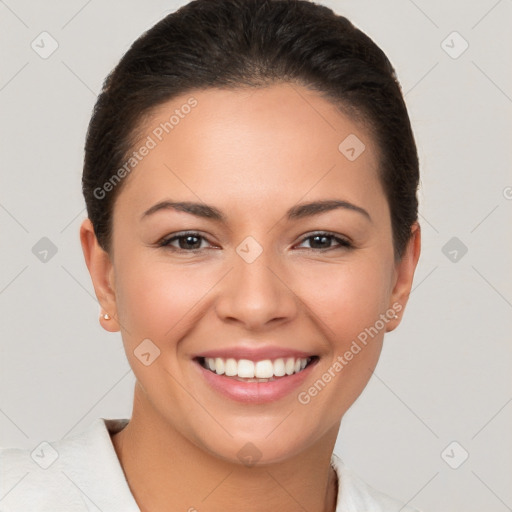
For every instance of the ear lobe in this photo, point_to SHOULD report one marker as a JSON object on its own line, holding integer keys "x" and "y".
{"x": 101, "y": 271}
{"x": 404, "y": 276}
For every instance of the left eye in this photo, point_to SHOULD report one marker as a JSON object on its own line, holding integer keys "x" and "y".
{"x": 321, "y": 239}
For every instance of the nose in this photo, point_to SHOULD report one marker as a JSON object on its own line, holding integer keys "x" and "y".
{"x": 256, "y": 295}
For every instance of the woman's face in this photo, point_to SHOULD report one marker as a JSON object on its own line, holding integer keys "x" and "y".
{"x": 255, "y": 279}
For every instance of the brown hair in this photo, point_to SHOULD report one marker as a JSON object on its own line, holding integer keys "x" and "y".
{"x": 252, "y": 43}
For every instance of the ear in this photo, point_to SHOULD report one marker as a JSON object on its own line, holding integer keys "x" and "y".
{"x": 102, "y": 275}
{"x": 404, "y": 274}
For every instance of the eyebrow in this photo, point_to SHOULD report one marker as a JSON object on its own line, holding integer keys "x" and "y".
{"x": 295, "y": 212}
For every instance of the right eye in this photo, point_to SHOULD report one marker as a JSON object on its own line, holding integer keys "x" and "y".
{"x": 187, "y": 242}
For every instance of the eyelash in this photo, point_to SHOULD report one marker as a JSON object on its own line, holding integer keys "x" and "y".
{"x": 343, "y": 242}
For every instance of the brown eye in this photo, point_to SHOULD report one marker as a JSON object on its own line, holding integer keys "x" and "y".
{"x": 186, "y": 242}
{"x": 323, "y": 241}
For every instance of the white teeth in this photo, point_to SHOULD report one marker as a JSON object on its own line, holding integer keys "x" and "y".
{"x": 289, "y": 366}
{"x": 265, "y": 369}
{"x": 219, "y": 366}
{"x": 245, "y": 369}
{"x": 279, "y": 370}
{"x": 231, "y": 367}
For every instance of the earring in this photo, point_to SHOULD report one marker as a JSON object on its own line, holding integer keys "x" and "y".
{"x": 106, "y": 316}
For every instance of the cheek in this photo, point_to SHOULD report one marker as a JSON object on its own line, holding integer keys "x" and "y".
{"x": 157, "y": 300}
{"x": 345, "y": 298}
{"x": 346, "y": 303}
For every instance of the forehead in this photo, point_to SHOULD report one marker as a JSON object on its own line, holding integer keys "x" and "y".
{"x": 271, "y": 144}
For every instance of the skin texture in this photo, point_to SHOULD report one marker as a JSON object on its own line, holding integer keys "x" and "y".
{"x": 252, "y": 154}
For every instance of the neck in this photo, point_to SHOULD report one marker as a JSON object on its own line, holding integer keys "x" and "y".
{"x": 165, "y": 471}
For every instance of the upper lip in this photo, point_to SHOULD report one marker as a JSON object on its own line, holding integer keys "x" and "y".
{"x": 254, "y": 353}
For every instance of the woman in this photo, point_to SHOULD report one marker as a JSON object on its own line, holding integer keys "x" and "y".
{"x": 250, "y": 178}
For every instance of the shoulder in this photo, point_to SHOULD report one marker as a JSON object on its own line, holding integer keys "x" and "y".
{"x": 72, "y": 474}
{"x": 354, "y": 494}
{"x": 37, "y": 479}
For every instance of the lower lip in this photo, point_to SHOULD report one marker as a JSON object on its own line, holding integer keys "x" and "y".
{"x": 255, "y": 392}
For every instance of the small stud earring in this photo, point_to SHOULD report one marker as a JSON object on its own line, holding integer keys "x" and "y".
{"x": 106, "y": 316}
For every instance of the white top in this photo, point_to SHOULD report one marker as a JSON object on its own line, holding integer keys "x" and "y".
{"x": 81, "y": 473}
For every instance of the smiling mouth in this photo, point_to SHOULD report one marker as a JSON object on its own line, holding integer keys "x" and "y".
{"x": 267, "y": 370}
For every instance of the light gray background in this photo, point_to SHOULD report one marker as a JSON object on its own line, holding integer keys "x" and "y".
{"x": 444, "y": 375}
